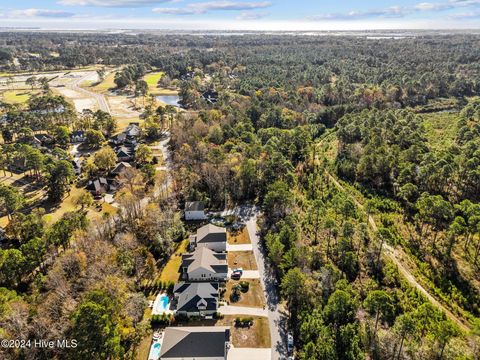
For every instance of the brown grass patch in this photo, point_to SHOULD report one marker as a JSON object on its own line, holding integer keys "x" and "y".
{"x": 257, "y": 336}
{"x": 238, "y": 237}
{"x": 243, "y": 259}
{"x": 252, "y": 298}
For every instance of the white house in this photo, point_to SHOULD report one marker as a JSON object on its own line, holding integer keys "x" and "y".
{"x": 195, "y": 343}
{"x": 210, "y": 236}
{"x": 195, "y": 210}
{"x": 204, "y": 265}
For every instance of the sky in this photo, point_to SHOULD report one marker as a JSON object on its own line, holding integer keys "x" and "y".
{"x": 280, "y": 15}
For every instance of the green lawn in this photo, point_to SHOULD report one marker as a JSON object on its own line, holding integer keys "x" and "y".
{"x": 17, "y": 96}
{"x": 441, "y": 129}
{"x": 152, "y": 79}
{"x": 171, "y": 270}
{"x": 106, "y": 84}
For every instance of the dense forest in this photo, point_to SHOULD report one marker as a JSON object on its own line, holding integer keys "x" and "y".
{"x": 362, "y": 154}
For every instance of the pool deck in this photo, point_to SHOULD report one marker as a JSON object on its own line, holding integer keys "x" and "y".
{"x": 156, "y": 305}
{"x": 154, "y": 352}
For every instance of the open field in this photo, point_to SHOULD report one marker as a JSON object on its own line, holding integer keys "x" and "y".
{"x": 257, "y": 336}
{"x": 105, "y": 85}
{"x": 244, "y": 259}
{"x": 170, "y": 271}
{"x": 252, "y": 298}
{"x": 239, "y": 237}
{"x": 441, "y": 129}
{"x": 17, "y": 96}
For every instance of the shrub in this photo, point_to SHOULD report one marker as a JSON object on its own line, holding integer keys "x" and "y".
{"x": 244, "y": 286}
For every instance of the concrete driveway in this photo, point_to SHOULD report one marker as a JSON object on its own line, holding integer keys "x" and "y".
{"x": 242, "y": 310}
{"x": 240, "y": 247}
{"x": 248, "y": 353}
{"x": 247, "y": 274}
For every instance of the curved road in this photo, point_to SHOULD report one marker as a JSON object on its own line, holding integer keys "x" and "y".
{"x": 99, "y": 98}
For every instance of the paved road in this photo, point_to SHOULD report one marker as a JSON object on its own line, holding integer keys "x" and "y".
{"x": 99, "y": 98}
{"x": 275, "y": 317}
{"x": 242, "y": 310}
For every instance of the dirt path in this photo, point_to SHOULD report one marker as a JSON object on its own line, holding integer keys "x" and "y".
{"x": 395, "y": 255}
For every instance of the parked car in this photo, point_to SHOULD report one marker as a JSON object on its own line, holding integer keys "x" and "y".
{"x": 236, "y": 275}
{"x": 239, "y": 270}
{"x": 290, "y": 342}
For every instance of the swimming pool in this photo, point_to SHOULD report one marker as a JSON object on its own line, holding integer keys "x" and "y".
{"x": 154, "y": 351}
{"x": 161, "y": 304}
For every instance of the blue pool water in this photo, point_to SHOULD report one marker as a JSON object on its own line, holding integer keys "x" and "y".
{"x": 162, "y": 304}
{"x": 154, "y": 352}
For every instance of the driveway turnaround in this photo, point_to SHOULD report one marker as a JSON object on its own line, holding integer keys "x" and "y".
{"x": 240, "y": 247}
{"x": 242, "y": 310}
{"x": 249, "y": 353}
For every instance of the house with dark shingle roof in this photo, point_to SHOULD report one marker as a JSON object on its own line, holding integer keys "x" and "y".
{"x": 195, "y": 343}
{"x": 210, "y": 236}
{"x": 195, "y": 299}
{"x": 121, "y": 166}
{"x": 204, "y": 265}
{"x": 194, "y": 210}
{"x": 124, "y": 153}
{"x": 98, "y": 186}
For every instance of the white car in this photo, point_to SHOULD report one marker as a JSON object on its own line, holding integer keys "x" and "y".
{"x": 290, "y": 342}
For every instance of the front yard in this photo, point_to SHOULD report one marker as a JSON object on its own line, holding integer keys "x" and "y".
{"x": 238, "y": 237}
{"x": 243, "y": 259}
{"x": 257, "y": 336}
{"x": 252, "y": 298}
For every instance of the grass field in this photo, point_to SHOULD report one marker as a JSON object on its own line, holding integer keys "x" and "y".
{"x": 441, "y": 129}
{"x": 152, "y": 79}
{"x": 171, "y": 270}
{"x": 105, "y": 85}
{"x": 18, "y": 96}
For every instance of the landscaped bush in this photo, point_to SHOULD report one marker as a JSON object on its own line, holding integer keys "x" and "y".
{"x": 161, "y": 319}
{"x": 245, "y": 285}
{"x": 244, "y": 322}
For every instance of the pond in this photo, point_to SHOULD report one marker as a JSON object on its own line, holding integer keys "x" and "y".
{"x": 173, "y": 100}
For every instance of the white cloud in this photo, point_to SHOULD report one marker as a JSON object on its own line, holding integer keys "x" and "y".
{"x": 47, "y": 13}
{"x": 247, "y": 15}
{"x": 113, "y": 3}
{"x": 205, "y": 7}
{"x": 397, "y": 11}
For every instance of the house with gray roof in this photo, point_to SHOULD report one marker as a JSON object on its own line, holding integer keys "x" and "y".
{"x": 120, "y": 167}
{"x": 195, "y": 343}
{"x": 204, "y": 265}
{"x": 195, "y": 299}
{"x": 194, "y": 210}
{"x": 210, "y": 236}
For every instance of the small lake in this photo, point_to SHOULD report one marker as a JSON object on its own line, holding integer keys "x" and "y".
{"x": 169, "y": 99}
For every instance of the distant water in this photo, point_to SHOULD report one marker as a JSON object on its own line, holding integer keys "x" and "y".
{"x": 173, "y": 100}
